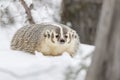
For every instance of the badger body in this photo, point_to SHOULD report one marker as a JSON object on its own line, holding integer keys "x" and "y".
{"x": 49, "y": 39}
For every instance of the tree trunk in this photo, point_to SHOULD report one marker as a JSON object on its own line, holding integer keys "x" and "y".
{"x": 106, "y": 58}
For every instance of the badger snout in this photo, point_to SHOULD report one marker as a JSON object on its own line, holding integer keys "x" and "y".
{"x": 62, "y": 41}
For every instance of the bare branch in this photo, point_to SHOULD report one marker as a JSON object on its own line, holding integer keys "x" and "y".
{"x": 28, "y": 12}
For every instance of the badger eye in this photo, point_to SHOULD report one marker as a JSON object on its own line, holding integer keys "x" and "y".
{"x": 45, "y": 35}
{"x": 66, "y": 36}
{"x": 57, "y": 36}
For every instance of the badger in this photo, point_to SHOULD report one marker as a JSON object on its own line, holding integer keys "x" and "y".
{"x": 48, "y": 38}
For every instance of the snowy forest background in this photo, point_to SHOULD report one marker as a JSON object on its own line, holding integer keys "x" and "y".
{"x": 81, "y": 15}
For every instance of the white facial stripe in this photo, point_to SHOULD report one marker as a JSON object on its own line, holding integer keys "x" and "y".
{"x": 61, "y": 31}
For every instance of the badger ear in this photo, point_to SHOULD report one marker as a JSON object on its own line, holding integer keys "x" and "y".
{"x": 74, "y": 34}
{"x": 47, "y": 33}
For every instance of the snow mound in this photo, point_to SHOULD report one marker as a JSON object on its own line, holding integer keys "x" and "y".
{"x": 24, "y": 66}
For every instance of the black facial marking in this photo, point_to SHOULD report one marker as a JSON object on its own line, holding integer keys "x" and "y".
{"x": 57, "y": 30}
{"x": 72, "y": 35}
{"x": 48, "y": 35}
{"x": 52, "y": 35}
{"x": 75, "y": 36}
{"x": 65, "y": 31}
{"x": 58, "y": 33}
{"x": 52, "y": 38}
{"x": 45, "y": 35}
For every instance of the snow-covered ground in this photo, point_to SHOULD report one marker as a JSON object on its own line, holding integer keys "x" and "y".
{"x": 15, "y": 65}
{"x": 18, "y": 65}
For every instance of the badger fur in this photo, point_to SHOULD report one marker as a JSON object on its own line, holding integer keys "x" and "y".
{"x": 49, "y": 39}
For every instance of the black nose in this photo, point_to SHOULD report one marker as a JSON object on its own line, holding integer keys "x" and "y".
{"x": 62, "y": 40}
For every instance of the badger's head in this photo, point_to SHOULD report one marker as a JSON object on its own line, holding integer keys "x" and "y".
{"x": 60, "y": 35}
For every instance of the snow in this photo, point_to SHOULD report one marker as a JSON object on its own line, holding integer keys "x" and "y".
{"x": 47, "y": 11}
{"x": 18, "y": 65}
